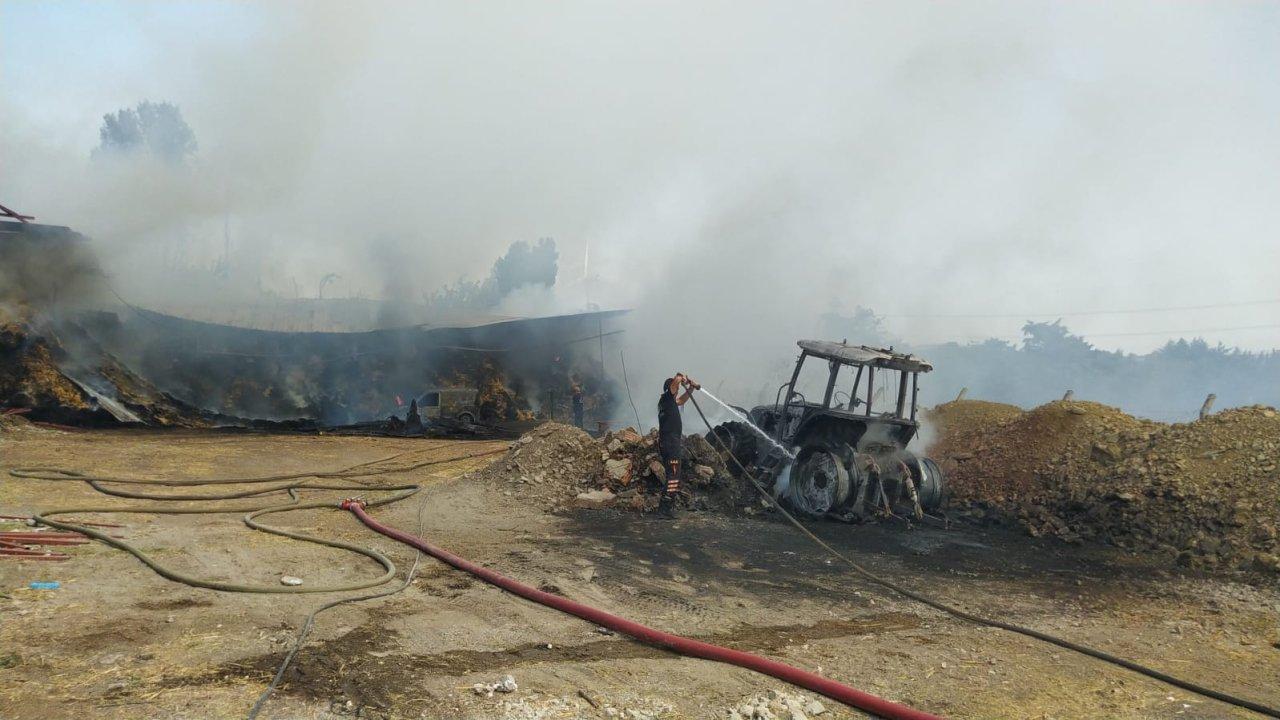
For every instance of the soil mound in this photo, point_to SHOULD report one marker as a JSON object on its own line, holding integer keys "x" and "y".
{"x": 994, "y": 454}
{"x": 15, "y": 427}
{"x": 960, "y": 416}
{"x": 1206, "y": 493}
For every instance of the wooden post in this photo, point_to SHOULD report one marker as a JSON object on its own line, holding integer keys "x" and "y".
{"x": 1068, "y": 395}
{"x": 1207, "y": 407}
{"x": 960, "y": 395}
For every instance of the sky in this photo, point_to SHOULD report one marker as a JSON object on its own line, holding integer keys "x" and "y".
{"x": 735, "y": 168}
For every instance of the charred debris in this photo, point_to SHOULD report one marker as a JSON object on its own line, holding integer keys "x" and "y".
{"x": 74, "y": 353}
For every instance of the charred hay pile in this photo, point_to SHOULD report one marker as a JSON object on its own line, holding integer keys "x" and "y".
{"x": 562, "y": 466}
{"x": 1205, "y": 493}
{"x": 62, "y": 376}
{"x": 29, "y": 375}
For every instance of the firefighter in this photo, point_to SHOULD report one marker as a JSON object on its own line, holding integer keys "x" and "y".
{"x": 671, "y": 435}
{"x": 579, "y": 405}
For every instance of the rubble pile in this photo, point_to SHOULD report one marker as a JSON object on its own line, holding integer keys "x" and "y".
{"x": 1205, "y": 493}
{"x": 565, "y": 466}
{"x": 550, "y": 463}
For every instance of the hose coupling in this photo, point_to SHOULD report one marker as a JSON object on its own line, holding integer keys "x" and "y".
{"x": 353, "y": 502}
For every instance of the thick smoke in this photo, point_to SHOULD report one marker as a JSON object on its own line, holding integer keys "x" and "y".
{"x": 737, "y": 170}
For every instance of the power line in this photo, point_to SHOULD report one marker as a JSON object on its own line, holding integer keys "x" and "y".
{"x": 1084, "y": 313}
{"x": 1175, "y": 332}
{"x": 1006, "y": 336}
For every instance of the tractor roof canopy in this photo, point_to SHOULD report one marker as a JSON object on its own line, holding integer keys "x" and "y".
{"x": 864, "y": 355}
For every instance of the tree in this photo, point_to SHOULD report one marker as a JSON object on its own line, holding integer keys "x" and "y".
{"x": 156, "y": 129}
{"x": 864, "y": 327}
{"x": 523, "y": 264}
{"x": 1052, "y": 338}
{"x": 526, "y": 264}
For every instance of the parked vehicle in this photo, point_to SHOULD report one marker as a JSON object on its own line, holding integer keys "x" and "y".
{"x": 449, "y": 404}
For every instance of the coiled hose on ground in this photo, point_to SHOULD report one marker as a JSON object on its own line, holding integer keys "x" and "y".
{"x": 287, "y": 483}
{"x": 263, "y": 485}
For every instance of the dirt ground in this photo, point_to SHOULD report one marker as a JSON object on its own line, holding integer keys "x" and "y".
{"x": 118, "y": 641}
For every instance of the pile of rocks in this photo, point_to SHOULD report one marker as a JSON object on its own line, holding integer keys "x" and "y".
{"x": 563, "y": 465}
{"x": 776, "y": 705}
{"x": 1205, "y": 493}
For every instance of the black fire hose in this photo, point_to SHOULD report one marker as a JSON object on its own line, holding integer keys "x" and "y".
{"x": 978, "y": 619}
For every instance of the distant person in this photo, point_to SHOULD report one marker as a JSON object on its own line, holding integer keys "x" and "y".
{"x": 579, "y": 406}
{"x": 412, "y": 419}
{"x": 671, "y": 435}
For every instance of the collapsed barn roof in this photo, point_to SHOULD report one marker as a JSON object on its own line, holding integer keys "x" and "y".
{"x": 327, "y": 315}
{"x": 495, "y": 334}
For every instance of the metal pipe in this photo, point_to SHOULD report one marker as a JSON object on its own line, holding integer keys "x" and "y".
{"x": 871, "y": 386}
{"x": 915, "y": 394}
{"x": 783, "y": 420}
{"x": 834, "y": 368}
{"x": 902, "y": 392}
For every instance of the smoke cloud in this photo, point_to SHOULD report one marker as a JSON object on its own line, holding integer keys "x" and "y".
{"x": 733, "y": 170}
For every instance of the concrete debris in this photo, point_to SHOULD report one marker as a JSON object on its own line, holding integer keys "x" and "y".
{"x": 1202, "y": 494}
{"x": 584, "y": 705}
{"x": 776, "y": 705}
{"x": 621, "y": 470}
{"x": 618, "y": 470}
{"x": 505, "y": 684}
{"x": 594, "y": 499}
{"x": 290, "y": 580}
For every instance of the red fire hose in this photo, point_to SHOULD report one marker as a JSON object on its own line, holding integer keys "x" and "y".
{"x": 683, "y": 645}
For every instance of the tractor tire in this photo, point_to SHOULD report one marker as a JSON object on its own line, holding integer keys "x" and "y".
{"x": 931, "y": 484}
{"x": 740, "y": 442}
{"x": 820, "y": 482}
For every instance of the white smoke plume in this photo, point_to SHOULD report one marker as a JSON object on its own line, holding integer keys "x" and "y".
{"x": 736, "y": 168}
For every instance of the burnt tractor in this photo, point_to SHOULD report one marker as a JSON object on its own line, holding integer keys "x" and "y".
{"x": 843, "y": 451}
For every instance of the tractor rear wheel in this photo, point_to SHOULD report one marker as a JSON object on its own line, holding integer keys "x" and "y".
{"x": 819, "y": 482}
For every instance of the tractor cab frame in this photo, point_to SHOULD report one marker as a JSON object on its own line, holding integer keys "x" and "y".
{"x": 849, "y": 458}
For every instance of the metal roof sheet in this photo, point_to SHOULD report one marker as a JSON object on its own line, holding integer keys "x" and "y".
{"x": 864, "y": 355}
